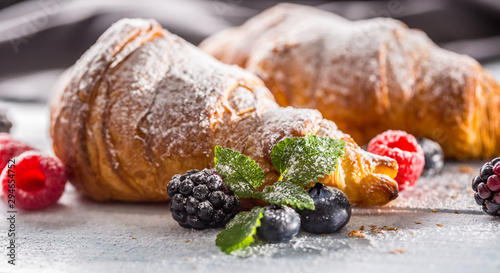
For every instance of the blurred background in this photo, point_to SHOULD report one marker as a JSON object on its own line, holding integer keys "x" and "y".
{"x": 40, "y": 38}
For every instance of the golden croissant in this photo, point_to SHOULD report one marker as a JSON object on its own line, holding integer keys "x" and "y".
{"x": 142, "y": 105}
{"x": 368, "y": 76}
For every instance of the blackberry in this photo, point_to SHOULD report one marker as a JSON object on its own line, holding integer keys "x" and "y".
{"x": 434, "y": 156}
{"x": 486, "y": 186}
{"x": 200, "y": 200}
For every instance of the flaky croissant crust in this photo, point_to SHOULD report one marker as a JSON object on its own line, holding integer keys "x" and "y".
{"x": 368, "y": 76}
{"x": 142, "y": 105}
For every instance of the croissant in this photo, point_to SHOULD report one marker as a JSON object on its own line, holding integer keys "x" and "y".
{"x": 368, "y": 76}
{"x": 142, "y": 105}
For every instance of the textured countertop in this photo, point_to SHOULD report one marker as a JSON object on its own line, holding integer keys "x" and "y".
{"x": 434, "y": 227}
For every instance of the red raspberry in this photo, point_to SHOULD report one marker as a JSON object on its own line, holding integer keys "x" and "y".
{"x": 39, "y": 180}
{"x": 10, "y": 148}
{"x": 405, "y": 149}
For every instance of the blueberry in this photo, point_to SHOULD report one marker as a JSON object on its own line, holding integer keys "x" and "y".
{"x": 278, "y": 224}
{"x": 434, "y": 156}
{"x": 332, "y": 212}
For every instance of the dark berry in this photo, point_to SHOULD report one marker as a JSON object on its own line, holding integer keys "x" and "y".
{"x": 39, "y": 180}
{"x": 205, "y": 210}
{"x": 486, "y": 171}
{"x": 232, "y": 202}
{"x": 186, "y": 187}
{"x": 495, "y": 161}
{"x": 179, "y": 216}
{"x": 200, "y": 192}
{"x": 434, "y": 156}
{"x": 199, "y": 178}
{"x": 403, "y": 148}
{"x": 178, "y": 201}
{"x": 217, "y": 199}
{"x": 214, "y": 183}
{"x": 486, "y": 187}
{"x": 218, "y": 216}
{"x": 483, "y": 191}
{"x": 279, "y": 224}
{"x": 196, "y": 223}
{"x": 492, "y": 207}
{"x": 475, "y": 182}
{"x": 173, "y": 187}
{"x": 196, "y": 205}
{"x": 192, "y": 205}
{"x": 479, "y": 200}
{"x": 332, "y": 212}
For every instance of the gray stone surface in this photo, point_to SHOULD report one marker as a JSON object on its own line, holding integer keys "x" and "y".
{"x": 79, "y": 235}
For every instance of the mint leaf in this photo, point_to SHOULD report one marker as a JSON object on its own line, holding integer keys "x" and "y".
{"x": 303, "y": 160}
{"x": 286, "y": 193}
{"x": 240, "y": 230}
{"x": 241, "y": 174}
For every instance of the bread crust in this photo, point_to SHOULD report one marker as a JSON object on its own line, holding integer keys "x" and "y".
{"x": 368, "y": 76}
{"x": 142, "y": 105}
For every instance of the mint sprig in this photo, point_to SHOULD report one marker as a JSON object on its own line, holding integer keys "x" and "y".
{"x": 241, "y": 174}
{"x": 300, "y": 161}
{"x": 304, "y": 160}
{"x": 285, "y": 193}
{"x": 240, "y": 230}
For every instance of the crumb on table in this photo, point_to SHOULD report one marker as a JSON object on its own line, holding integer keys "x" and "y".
{"x": 356, "y": 233}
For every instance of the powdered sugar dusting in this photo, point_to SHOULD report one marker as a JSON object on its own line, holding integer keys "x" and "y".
{"x": 368, "y": 76}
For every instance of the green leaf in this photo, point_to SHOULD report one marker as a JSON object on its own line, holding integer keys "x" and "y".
{"x": 241, "y": 174}
{"x": 240, "y": 230}
{"x": 286, "y": 193}
{"x": 303, "y": 160}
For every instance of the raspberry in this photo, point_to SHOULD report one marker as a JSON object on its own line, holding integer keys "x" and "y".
{"x": 486, "y": 186}
{"x": 39, "y": 180}
{"x": 404, "y": 148}
{"x": 10, "y": 148}
{"x": 200, "y": 200}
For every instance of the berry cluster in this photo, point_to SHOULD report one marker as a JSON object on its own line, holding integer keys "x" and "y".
{"x": 201, "y": 200}
{"x": 486, "y": 186}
